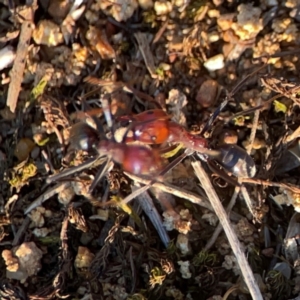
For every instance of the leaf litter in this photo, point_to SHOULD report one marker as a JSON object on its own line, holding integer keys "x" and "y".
{"x": 77, "y": 226}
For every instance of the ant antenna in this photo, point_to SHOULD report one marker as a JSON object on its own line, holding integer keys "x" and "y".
{"x": 107, "y": 112}
{"x": 228, "y": 97}
{"x": 104, "y": 99}
{"x": 86, "y": 108}
{"x": 99, "y": 175}
{"x": 213, "y": 117}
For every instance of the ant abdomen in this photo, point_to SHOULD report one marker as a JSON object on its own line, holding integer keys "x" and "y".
{"x": 236, "y": 160}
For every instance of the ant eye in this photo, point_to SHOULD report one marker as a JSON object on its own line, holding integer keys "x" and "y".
{"x": 125, "y": 123}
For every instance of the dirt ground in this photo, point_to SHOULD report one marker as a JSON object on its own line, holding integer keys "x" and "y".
{"x": 87, "y": 214}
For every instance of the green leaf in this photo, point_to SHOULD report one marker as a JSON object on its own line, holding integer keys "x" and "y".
{"x": 39, "y": 89}
{"x": 279, "y": 107}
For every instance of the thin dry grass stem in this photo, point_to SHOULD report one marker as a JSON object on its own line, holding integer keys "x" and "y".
{"x": 277, "y": 54}
{"x": 290, "y": 187}
{"x": 293, "y": 136}
{"x": 64, "y": 233}
{"x": 219, "y": 228}
{"x": 171, "y": 189}
{"x": 150, "y": 210}
{"x": 228, "y": 292}
{"x": 252, "y": 109}
{"x": 146, "y": 52}
{"x": 160, "y": 32}
{"x": 93, "y": 162}
{"x": 16, "y": 74}
{"x": 119, "y": 85}
{"x": 133, "y": 271}
{"x": 287, "y": 89}
{"x": 249, "y": 149}
{"x": 240, "y": 83}
{"x": 254, "y": 128}
{"x": 232, "y": 238}
{"x": 47, "y": 195}
{"x": 21, "y": 231}
{"x": 48, "y": 161}
{"x": 248, "y": 200}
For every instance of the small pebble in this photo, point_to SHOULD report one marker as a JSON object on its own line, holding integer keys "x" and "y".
{"x": 58, "y": 9}
{"x": 213, "y": 37}
{"x": 183, "y": 244}
{"x": 162, "y": 8}
{"x": 47, "y": 33}
{"x": 228, "y": 137}
{"x": 215, "y": 63}
{"x": 23, "y": 148}
{"x": 7, "y": 56}
{"x": 207, "y": 94}
{"x": 83, "y": 258}
{"x": 145, "y": 4}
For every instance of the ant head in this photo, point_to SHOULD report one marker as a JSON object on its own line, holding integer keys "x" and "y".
{"x": 83, "y": 137}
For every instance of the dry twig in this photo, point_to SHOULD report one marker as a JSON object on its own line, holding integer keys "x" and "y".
{"x": 219, "y": 228}
{"x": 232, "y": 238}
{"x": 146, "y": 52}
{"x": 168, "y": 188}
{"x": 17, "y": 71}
{"x": 150, "y": 210}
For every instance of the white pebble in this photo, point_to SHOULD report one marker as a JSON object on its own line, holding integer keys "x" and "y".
{"x": 162, "y": 8}
{"x": 145, "y": 4}
{"x": 7, "y": 56}
{"x": 215, "y": 63}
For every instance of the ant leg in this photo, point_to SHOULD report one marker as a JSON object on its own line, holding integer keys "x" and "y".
{"x": 71, "y": 171}
{"x": 101, "y": 172}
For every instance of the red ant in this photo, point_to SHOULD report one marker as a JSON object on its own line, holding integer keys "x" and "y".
{"x": 135, "y": 159}
{"x": 155, "y": 127}
{"x": 150, "y": 127}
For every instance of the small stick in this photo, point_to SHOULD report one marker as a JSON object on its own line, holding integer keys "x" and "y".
{"x": 254, "y": 129}
{"x": 160, "y": 32}
{"x": 249, "y": 149}
{"x": 21, "y": 231}
{"x": 146, "y": 52}
{"x": 293, "y": 135}
{"x": 248, "y": 201}
{"x": 70, "y": 171}
{"x": 46, "y": 196}
{"x": 17, "y": 71}
{"x": 168, "y": 188}
{"x": 232, "y": 238}
{"x": 219, "y": 228}
{"x": 150, "y": 210}
{"x": 139, "y": 191}
{"x": 287, "y": 186}
{"x": 119, "y": 85}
